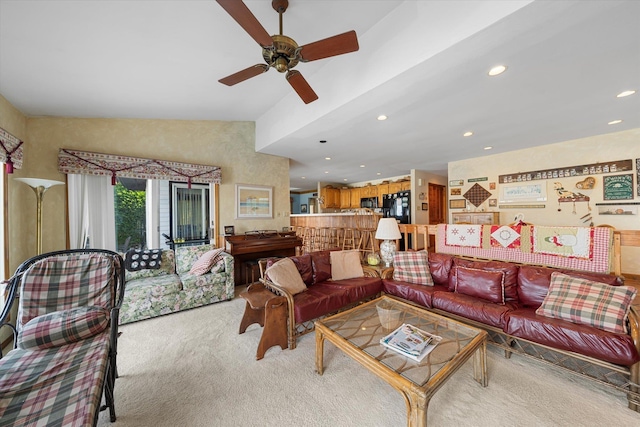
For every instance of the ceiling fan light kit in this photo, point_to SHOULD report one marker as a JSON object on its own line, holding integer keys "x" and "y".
{"x": 282, "y": 52}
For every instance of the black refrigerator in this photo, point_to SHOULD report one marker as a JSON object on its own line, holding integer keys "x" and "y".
{"x": 398, "y": 206}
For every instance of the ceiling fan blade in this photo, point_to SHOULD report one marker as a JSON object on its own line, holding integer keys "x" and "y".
{"x": 300, "y": 85}
{"x": 243, "y": 16}
{"x": 245, "y": 74}
{"x": 332, "y": 46}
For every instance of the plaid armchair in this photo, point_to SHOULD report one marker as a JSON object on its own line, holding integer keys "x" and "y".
{"x": 65, "y": 339}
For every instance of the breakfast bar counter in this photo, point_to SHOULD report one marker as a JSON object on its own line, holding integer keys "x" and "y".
{"x": 338, "y": 220}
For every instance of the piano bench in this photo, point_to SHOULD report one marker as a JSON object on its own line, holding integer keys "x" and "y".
{"x": 251, "y": 271}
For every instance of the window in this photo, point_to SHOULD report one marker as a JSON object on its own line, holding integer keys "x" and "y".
{"x": 189, "y": 214}
{"x": 130, "y": 213}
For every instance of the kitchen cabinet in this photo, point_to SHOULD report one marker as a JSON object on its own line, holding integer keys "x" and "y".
{"x": 405, "y": 186}
{"x": 485, "y": 218}
{"x": 345, "y": 198}
{"x": 355, "y": 198}
{"x": 369, "y": 191}
{"x": 382, "y": 190}
{"x": 395, "y": 187}
{"x": 331, "y": 197}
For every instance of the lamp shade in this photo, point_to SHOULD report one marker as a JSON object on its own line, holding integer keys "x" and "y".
{"x": 38, "y": 182}
{"x": 388, "y": 229}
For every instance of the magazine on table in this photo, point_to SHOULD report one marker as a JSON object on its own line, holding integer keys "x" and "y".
{"x": 411, "y": 341}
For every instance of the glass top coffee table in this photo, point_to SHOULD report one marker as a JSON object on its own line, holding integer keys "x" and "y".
{"x": 357, "y": 333}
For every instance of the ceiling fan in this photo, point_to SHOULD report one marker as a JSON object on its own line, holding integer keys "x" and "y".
{"x": 282, "y": 52}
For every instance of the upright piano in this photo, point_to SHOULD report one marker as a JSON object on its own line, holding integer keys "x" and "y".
{"x": 259, "y": 244}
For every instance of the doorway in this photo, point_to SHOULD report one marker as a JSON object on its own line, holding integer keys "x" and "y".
{"x": 437, "y": 207}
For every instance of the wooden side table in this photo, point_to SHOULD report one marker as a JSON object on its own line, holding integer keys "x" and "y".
{"x": 269, "y": 311}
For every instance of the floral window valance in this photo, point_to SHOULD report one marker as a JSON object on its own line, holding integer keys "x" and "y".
{"x": 87, "y": 163}
{"x": 10, "y": 151}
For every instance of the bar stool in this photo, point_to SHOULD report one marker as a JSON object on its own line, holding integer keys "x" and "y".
{"x": 323, "y": 235}
{"x": 349, "y": 238}
{"x": 308, "y": 239}
{"x": 335, "y": 234}
{"x": 366, "y": 226}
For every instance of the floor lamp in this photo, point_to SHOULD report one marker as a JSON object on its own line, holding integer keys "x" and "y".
{"x": 39, "y": 186}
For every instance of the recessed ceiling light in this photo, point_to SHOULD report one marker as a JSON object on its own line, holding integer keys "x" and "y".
{"x": 361, "y": 166}
{"x": 346, "y": 179}
{"x": 382, "y": 117}
{"x": 326, "y": 171}
{"x": 378, "y": 173}
{"x": 488, "y": 147}
{"x": 498, "y": 69}
{"x": 303, "y": 177}
{"x": 467, "y": 134}
{"x": 625, "y": 93}
{"x": 614, "y": 122}
{"x": 327, "y": 158}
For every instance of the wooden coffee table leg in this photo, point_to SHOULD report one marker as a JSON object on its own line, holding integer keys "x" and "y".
{"x": 417, "y": 411}
{"x": 319, "y": 351}
{"x": 480, "y": 365}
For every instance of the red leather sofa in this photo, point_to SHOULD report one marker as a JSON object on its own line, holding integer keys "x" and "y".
{"x": 323, "y": 295}
{"x": 614, "y": 358}
{"x": 609, "y": 358}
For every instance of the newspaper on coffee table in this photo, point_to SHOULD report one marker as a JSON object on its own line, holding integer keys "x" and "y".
{"x": 411, "y": 341}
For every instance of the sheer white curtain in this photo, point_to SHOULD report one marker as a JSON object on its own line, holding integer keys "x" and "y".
{"x": 91, "y": 212}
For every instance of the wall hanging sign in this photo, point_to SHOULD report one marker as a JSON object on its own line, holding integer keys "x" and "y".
{"x": 524, "y": 192}
{"x": 456, "y": 183}
{"x": 629, "y": 208}
{"x": 478, "y": 179}
{"x": 590, "y": 169}
{"x": 457, "y": 204}
{"x": 618, "y": 187}
{"x": 456, "y": 191}
{"x": 535, "y": 206}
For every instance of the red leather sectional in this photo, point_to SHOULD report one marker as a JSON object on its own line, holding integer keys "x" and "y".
{"x": 512, "y": 315}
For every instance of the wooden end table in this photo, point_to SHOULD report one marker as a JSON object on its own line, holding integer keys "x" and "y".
{"x": 269, "y": 311}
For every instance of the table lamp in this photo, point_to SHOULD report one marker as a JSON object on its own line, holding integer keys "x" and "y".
{"x": 39, "y": 186}
{"x": 389, "y": 232}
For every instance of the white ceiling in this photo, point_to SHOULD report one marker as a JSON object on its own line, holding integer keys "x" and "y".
{"x": 422, "y": 63}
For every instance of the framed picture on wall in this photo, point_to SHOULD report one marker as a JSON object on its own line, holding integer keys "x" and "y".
{"x": 254, "y": 201}
{"x": 303, "y": 208}
{"x": 425, "y": 206}
{"x": 229, "y": 230}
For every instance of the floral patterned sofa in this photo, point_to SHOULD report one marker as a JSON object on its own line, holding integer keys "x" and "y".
{"x": 171, "y": 288}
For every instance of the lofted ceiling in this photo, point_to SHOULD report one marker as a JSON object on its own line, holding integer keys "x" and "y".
{"x": 423, "y": 64}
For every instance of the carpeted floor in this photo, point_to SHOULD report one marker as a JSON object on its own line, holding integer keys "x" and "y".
{"x": 193, "y": 369}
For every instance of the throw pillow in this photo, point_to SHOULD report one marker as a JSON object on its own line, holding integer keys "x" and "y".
{"x": 138, "y": 259}
{"x": 484, "y": 284}
{"x": 205, "y": 262}
{"x": 321, "y": 263}
{"x": 412, "y": 267}
{"x": 586, "y": 302}
{"x": 63, "y": 327}
{"x": 285, "y": 275}
{"x": 346, "y": 265}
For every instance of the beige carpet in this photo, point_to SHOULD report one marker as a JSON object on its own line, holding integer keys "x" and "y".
{"x": 193, "y": 369}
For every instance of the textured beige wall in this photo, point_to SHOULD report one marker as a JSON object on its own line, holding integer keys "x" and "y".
{"x": 229, "y": 145}
{"x": 14, "y": 122}
{"x": 600, "y": 148}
